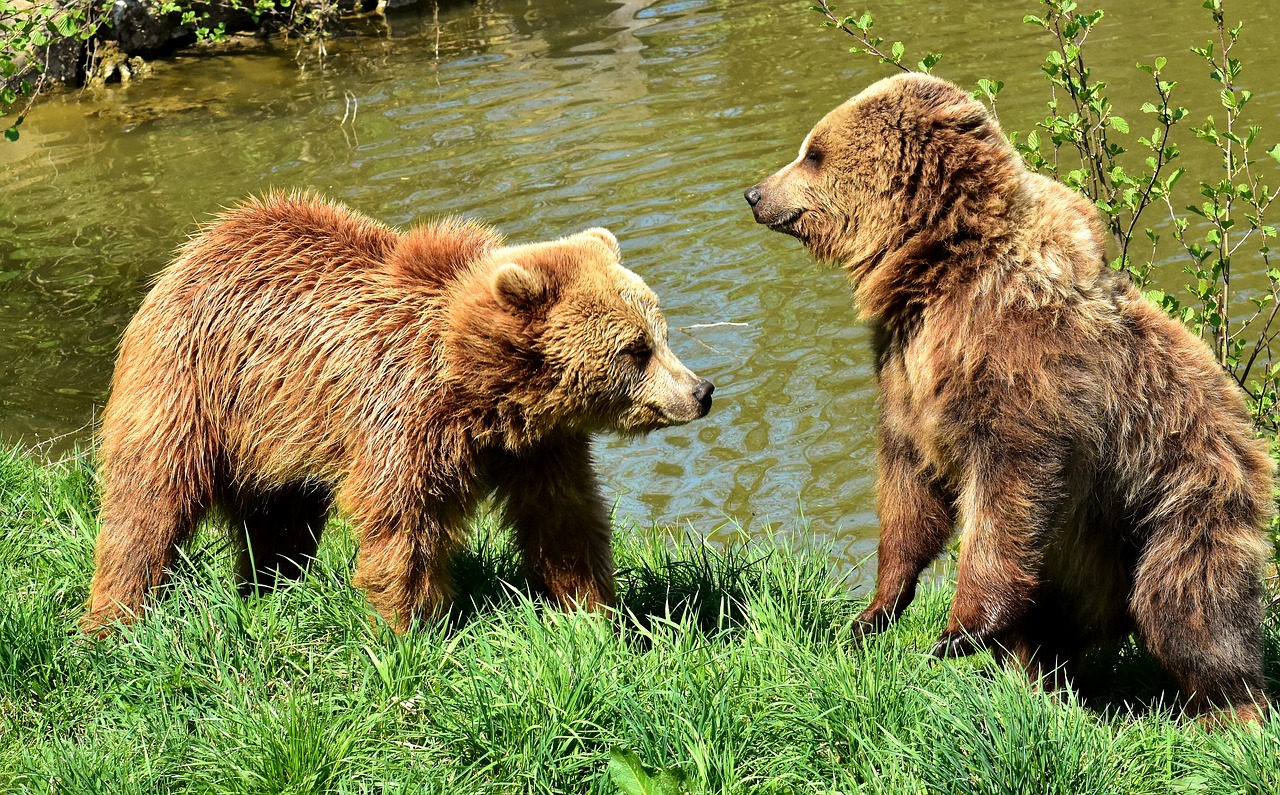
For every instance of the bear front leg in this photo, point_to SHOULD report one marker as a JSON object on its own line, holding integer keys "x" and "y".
{"x": 552, "y": 501}
{"x": 1009, "y": 507}
{"x": 917, "y": 519}
{"x": 407, "y": 539}
{"x": 403, "y": 578}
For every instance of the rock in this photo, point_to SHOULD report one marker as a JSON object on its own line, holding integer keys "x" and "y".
{"x": 63, "y": 60}
{"x": 138, "y": 29}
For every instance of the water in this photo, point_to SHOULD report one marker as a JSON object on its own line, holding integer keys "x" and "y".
{"x": 544, "y": 118}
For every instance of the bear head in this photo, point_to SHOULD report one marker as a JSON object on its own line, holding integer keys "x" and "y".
{"x": 885, "y": 166}
{"x": 566, "y": 336}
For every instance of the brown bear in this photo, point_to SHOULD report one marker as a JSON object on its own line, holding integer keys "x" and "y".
{"x": 297, "y": 355}
{"x": 1102, "y": 467}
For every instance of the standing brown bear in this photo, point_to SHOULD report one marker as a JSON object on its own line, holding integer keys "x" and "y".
{"x": 1101, "y": 465}
{"x": 298, "y": 355}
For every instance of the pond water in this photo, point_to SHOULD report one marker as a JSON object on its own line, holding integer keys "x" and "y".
{"x": 545, "y": 117}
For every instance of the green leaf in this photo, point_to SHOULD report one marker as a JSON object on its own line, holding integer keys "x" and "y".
{"x": 898, "y": 50}
{"x": 1160, "y": 62}
{"x": 990, "y": 88}
{"x": 1118, "y": 124}
{"x": 631, "y": 777}
{"x": 670, "y": 783}
{"x": 11, "y": 133}
{"x": 628, "y": 775}
{"x": 1274, "y": 152}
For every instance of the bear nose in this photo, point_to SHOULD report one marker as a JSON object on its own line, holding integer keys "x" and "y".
{"x": 702, "y": 394}
{"x": 753, "y": 196}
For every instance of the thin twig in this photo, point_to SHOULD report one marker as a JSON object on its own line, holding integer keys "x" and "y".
{"x": 1265, "y": 328}
{"x": 352, "y": 105}
{"x": 867, "y": 45}
{"x": 686, "y": 329}
{"x": 1161, "y": 161}
{"x": 711, "y": 325}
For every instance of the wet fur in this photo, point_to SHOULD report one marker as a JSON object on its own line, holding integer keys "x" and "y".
{"x": 1102, "y": 467}
{"x": 298, "y": 356}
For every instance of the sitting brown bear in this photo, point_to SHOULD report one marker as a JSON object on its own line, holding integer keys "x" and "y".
{"x": 296, "y": 355}
{"x": 1102, "y": 466}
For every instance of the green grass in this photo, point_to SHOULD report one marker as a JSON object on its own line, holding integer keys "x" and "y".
{"x": 731, "y": 670}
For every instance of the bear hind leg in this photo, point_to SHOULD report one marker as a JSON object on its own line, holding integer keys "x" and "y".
{"x": 146, "y": 516}
{"x": 281, "y": 532}
{"x": 1197, "y": 605}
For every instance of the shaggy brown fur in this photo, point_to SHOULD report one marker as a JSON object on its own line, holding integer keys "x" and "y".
{"x": 1101, "y": 465}
{"x": 297, "y": 354}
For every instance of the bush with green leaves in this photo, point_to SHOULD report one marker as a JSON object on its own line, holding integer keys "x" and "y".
{"x": 27, "y": 31}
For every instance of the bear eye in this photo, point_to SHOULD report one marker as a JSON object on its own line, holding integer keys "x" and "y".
{"x": 638, "y": 352}
{"x": 813, "y": 158}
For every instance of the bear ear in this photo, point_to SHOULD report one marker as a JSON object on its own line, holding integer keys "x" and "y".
{"x": 516, "y": 288}
{"x": 964, "y": 118}
{"x": 606, "y": 237}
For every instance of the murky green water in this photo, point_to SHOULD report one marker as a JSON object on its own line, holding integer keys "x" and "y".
{"x": 545, "y": 117}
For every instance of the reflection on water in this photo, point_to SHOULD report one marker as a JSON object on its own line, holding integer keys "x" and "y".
{"x": 541, "y": 118}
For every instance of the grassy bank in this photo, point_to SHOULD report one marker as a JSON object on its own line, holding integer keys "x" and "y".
{"x": 731, "y": 669}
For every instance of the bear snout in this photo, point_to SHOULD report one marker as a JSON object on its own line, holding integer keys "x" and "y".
{"x": 674, "y": 396}
{"x": 702, "y": 394}
{"x": 761, "y": 206}
{"x": 769, "y": 206}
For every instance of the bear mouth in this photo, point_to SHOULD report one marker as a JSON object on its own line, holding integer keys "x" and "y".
{"x": 785, "y": 222}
